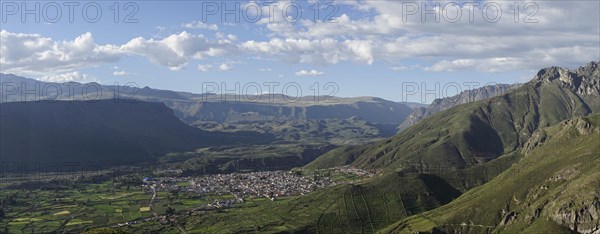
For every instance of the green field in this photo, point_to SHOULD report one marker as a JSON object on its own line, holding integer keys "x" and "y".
{"x": 85, "y": 206}
{"x": 123, "y": 204}
{"x": 71, "y": 209}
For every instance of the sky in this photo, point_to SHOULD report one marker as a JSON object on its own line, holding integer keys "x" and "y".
{"x": 398, "y": 50}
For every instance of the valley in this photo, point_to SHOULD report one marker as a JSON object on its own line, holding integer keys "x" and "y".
{"x": 300, "y": 117}
{"x": 520, "y": 160}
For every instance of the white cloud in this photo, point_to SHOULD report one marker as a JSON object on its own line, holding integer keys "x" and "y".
{"x": 309, "y": 73}
{"x": 265, "y": 69}
{"x": 318, "y": 51}
{"x": 204, "y": 67}
{"x": 362, "y": 49}
{"x": 67, "y": 77}
{"x": 455, "y": 65}
{"x": 225, "y": 67}
{"x": 566, "y": 35}
{"x": 200, "y": 25}
{"x": 120, "y": 73}
{"x": 219, "y": 67}
{"x": 232, "y": 37}
{"x": 529, "y": 61}
{"x": 173, "y": 51}
{"x": 33, "y": 54}
{"x": 381, "y": 34}
{"x": 404, "y": 68}
{"x": 225, "y": 38}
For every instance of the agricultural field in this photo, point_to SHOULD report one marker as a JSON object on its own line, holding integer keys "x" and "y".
{"x": 129, "y": 203}
{"x": 44, "y": 210}
{"x": 87, "y": 206}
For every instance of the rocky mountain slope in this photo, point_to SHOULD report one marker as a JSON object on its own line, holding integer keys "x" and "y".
{"x": 442, "y": 104}
{"x": 554, "y": 189}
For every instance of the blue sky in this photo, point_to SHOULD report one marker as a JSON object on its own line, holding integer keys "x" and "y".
{"x": 373, "y": 48}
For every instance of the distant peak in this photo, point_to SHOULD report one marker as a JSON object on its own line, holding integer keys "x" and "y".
{"x": 552, "y": 73}
{"x": 593, "y": 64}
{"x": 591, "y": 68}
{"x": 584, "y": 80}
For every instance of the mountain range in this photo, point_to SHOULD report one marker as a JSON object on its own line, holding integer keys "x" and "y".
{"x": 211, "y": 107}
{"x": 523, "y": 161}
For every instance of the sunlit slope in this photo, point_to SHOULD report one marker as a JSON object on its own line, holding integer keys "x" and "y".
{"x": 361, "y": 208}
{"x": 365, "y": 207}
{"x": 555, "y": 188}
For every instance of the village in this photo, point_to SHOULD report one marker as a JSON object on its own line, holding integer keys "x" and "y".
{"x": 269, "y": 184}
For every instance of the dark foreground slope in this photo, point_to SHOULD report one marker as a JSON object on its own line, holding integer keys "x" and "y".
{"x": 554, "y": 189}
{"x": 104, "y": 132}
{"x": 479, "y": 132}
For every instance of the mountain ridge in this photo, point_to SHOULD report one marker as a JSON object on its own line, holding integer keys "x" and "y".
{"x": 192, "y": 107}
{"x": 442, "y": 104}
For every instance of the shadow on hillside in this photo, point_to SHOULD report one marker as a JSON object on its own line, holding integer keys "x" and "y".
{"x": 442, "y": 191}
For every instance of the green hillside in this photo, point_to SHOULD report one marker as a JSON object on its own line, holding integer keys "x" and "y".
{"x": 554, "y": 189}
{"x": 479, "y": 132}
{"x": 340, "y": 156}
{"x": 365, "y": 207}
{"x": 244, "y": 158}
{"x": 464, "y": 147}
{"x": 435, "y": 161}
